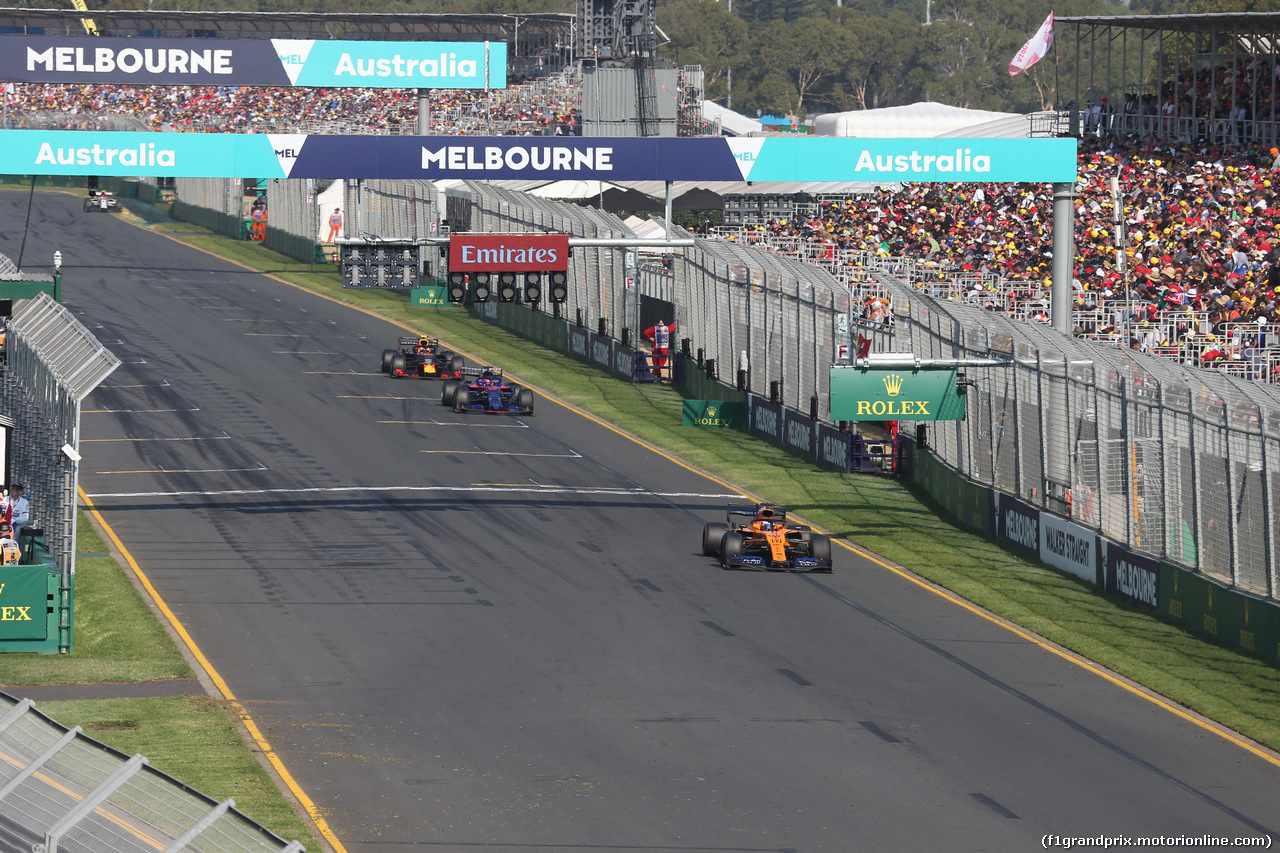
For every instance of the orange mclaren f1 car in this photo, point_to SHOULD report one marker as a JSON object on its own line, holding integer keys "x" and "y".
{"x": 759, "y": 537}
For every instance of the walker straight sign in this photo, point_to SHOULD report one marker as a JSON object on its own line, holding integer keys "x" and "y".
{"x": 889, "y": 394}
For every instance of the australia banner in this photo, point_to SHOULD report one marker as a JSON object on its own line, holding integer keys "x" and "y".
{"x": 254, "y": 62}
{"x": 225, "y": 155}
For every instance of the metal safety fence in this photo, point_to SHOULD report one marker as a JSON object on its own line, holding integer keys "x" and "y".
{"x": 770, "y": 323}
{"x": 52, "y": 362}
{"x": 222, "y": 195}
{"x": 382, "y": 208}
{"x": 63, "y": 791}
{"x": 1177, "y": 462}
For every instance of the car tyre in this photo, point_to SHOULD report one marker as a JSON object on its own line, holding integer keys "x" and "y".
{"x": 712, "y": 533}
{"x": 388, "y": 355}
{"x": 448, "y": 392}
{"x": 524, "y": 399}
{"x": 457, "y": 363}
{"x": 397, "y": 363}
{"x": 730, "y": 546}
{"x": 820, "y": 547}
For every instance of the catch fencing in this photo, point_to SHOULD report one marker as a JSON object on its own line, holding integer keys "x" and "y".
{"x": 63, "y": 791}
{"x": 52, "y": 362}
{"x": 1177, "y": 462}
{"x": 1173, "y": 461}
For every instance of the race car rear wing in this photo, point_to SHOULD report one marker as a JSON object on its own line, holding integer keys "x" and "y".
{"x": 480, "y": 371}
{"x": 779, "y": 512}
{"x": 415, "y": 340}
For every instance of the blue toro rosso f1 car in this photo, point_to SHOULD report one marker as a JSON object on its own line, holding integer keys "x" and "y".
{"x": 482, "y": 389}
{"x": 759, "y": 537}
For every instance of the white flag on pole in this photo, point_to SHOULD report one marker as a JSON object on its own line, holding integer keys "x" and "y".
{"x": 1034, "y": 50}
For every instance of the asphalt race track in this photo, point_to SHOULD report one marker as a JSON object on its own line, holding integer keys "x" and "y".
{"x": 478, "y": 632}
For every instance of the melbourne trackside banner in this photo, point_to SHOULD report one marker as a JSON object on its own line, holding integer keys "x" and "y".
{"x": 884, "y": 394}
{"x": 509, "y": 252}
{"x": 1016, "y": 522}
{"x": 1132, "y": 576}
{"x": 714, "y": 413}
{"x": 254, "y": 62}
{"x": 214, "y": 155}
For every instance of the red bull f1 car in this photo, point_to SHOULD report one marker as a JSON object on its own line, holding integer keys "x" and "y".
{"x": 482, "y": 389}
{"x": 422, "y": 358}
{"x": 760, "y": 537}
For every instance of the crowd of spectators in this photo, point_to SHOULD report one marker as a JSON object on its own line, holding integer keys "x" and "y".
{"x": 545, "y": 106}
{"x": 1202, "y": 230}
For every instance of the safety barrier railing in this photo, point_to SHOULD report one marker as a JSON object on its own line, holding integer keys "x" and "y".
{"x": 52, "y": 362}
{"x": 61, "y": 790}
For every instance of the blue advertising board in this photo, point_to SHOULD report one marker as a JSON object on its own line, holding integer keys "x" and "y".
{"x": 254, "y": 62}
{"x": 205, "y": 155}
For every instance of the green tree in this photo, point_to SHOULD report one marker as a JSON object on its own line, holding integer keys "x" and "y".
{"x": 703, "y": 32}
{"x": 792, "y": 64}
{"x": 888, "y": 50}
{"x": 768, "y": 11}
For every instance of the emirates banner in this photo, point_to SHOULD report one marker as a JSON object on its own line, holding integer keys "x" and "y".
{"x": 508, "y": 252}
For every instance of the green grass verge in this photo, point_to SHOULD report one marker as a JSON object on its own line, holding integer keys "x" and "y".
{"x": 878, "y": 514}
{"x": 116, "y": 636}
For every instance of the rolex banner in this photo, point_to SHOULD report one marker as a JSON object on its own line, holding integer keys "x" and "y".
{"x": 895, "y": 394}
{"x": 714, "y": 413}
{"x": 23, "y": 598}
{"x": 430, "y": 294}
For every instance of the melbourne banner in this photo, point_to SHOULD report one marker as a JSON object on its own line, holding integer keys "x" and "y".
{"x": 219, "y": 155}
{"x": 254, "y": 62}
{"x": 885, "y": 394}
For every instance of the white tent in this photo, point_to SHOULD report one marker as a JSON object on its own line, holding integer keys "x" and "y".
{"x": 924, "y": 120}
{"x": 731, "y": 123}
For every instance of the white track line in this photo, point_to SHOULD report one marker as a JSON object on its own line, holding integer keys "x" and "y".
{"x": 569, "y": 455}
{"x": 133, "y": 411}
{"x": 164, "y": 384}
{"x": 186, "y": 470}
{"x": 222, "y": 437}
{"x": 541, "y": 490}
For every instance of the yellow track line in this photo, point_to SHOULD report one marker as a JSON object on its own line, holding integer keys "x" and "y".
{"x": 312, "y": 811}
{"x": 1088, "y": 665}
